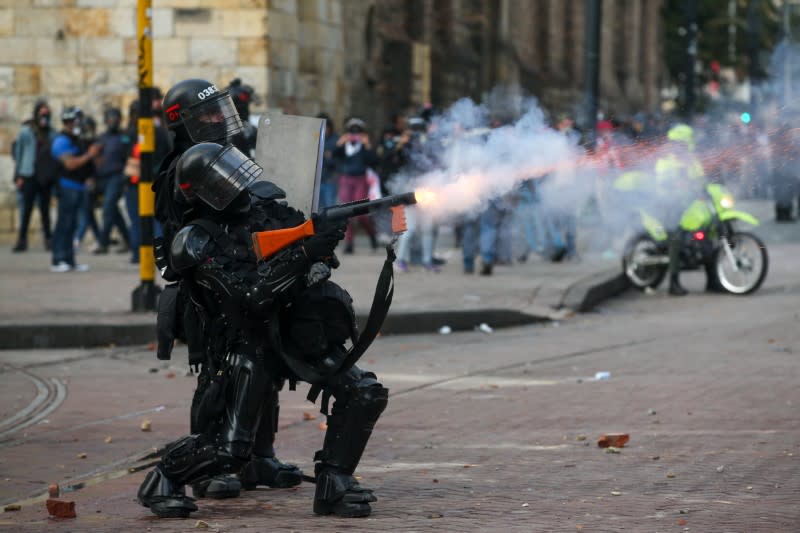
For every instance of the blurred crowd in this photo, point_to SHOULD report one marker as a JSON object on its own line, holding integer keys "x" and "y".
{"x": 93, "y": 170}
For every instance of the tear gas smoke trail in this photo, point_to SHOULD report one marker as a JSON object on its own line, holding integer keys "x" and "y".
{"x": 475, "y": 164}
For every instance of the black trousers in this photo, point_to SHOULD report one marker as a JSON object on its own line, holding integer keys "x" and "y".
{"x": 33, "y": 191}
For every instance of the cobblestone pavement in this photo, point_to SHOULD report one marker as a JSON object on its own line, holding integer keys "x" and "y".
{"x": 482, "y": 433}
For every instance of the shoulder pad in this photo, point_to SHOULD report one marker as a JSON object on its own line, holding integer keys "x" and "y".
{"x": 189, "y": 247}
{"x": 266, "y": 190}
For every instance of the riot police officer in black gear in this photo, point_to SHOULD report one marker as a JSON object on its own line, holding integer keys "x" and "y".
{"x": 261, "y": 339}
{"x": 242, "y": 96}
{"x": 195, "y": 111}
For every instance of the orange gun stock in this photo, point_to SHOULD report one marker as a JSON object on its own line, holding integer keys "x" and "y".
{"x": 267, "y": 243}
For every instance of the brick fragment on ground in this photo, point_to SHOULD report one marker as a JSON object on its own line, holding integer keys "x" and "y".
{"x": 61, "y": 508}
{"x": 617, "y": 440}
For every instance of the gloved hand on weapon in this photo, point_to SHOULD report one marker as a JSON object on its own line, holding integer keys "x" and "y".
{"x": 327, "y": 234}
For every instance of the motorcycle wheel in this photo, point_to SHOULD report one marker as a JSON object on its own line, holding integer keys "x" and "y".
{"x": 642, "y": 276}
{"x": 752, "y": 264}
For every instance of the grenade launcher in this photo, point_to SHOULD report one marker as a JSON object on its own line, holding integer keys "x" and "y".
{"x": 267, "y": 243}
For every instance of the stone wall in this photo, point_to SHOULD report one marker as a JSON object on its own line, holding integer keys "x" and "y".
{"x": 83, "y": 52}
{"x": 370, "y": 58}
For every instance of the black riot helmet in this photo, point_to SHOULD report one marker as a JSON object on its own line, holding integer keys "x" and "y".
{"x": 242, "y": 95}
{"x": 198, "y": 110}
{"x": 214, "y": 174}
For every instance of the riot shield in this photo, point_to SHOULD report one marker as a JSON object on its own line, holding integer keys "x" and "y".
{"x": 289, "y": 149}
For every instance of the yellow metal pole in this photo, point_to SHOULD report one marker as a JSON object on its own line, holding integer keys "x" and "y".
{"x": 146, "y": 294}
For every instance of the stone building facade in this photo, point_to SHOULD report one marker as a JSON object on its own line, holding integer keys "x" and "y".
{"x": 372, "y": 58}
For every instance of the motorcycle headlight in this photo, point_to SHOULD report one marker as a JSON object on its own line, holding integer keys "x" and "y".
{"x": 726, "y": 202}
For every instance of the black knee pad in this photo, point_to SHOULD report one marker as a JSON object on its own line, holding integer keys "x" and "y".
{"x": 193, "y": 459}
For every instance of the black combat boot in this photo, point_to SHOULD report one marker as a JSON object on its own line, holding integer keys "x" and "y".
{"x": 675, "y": 287}
{"x": 218, "y": 488}
{"x": 164, "y": 499}
{"x": 340, "y": 494}
{"x": 270, "y": 472}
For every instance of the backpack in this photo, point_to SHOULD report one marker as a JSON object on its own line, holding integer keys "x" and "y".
{"x": 47, "y": 168}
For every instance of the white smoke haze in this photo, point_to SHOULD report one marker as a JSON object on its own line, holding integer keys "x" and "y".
{"x": 473, "y": 163}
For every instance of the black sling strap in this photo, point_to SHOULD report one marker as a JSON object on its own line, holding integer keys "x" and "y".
{"x": 381, "y": 302}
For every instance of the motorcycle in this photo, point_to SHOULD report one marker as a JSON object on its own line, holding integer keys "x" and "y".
{"x": 735, "y": 261}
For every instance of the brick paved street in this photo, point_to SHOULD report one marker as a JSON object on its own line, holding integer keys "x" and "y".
{"x": 482, "y": 432}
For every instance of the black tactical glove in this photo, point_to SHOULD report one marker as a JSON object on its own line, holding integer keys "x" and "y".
{"x": 326, "y": 236}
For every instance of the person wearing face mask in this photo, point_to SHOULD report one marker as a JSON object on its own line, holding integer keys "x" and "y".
{"x": 110, "y": 166}
{"x": 35, "y": 172}
{"x": 355, "y": 155}
{"x": 77, "y": 167}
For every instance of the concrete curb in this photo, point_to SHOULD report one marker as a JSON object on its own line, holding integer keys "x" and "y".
{"x": 581, "y": 296}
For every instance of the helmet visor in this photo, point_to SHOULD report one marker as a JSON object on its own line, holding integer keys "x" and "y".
{"x": 212, "y": 120}
{"x": 226, "y": 177}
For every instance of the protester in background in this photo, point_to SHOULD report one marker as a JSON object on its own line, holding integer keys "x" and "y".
{"x": 420, "y": 224}
{"x": 94, "y": 187}
{"x": 355, "y": 155}
{"x": 132, "y": 171}
{"x": 785, "y": 175}
{"x": 78, "y": 166}
{"x": 110, "y": 166}
{"x": 327, "y": 186}
{"x": 35, "y": 172}
{"x": 392, "y": 153}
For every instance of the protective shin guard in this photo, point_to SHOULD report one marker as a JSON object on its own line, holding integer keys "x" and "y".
{"x": 245, "y": 395}
{"x": 264, "y": 468}
{"x": 358, "y": 406}
{"x": 165, "y": 499}
{"x": 351, "y": 422}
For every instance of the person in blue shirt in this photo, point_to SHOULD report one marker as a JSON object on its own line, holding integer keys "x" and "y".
{"x": 77, "y": 167}
{"x": 110, "y": 170}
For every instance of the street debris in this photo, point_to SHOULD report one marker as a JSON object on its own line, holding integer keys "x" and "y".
{"x": 435, "y": 515}
{"x": 201, "y": 524}
{"x": 147, "y": 425}
{"x": 656, "y": 457}
{"x": 720, "y": 468}
{"x": 309, "y": 416}
{"x": 485, "y": 328}
{"x": 61, "y": 508}
{"x": 682, "y": 522}
{"x": 651, "y": 412}
{"x": 616, "y": 493}
{"x": 749, "y": 487}
{"x": 602, "y": 376}
{"x": 108, "y": 439}
{"x": 82, "y": 456}
{"x": 580, "y": 437}
{"x": 170, "y": 375}
{"x": 12, "y": 507}
{"x": 525, "y": 504}
{"x": 670, "y": 475}
{"x": 617, "y": 440}
{"x": 435, "y": 480}
{"x": 612, "y": 449}
{"x": 153, "y": 370}
{"x": 53, "y": 490}
{"x": 445, "y": 330}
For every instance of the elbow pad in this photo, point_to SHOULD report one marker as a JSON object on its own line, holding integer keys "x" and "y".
{"x": 189, "y": 247}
